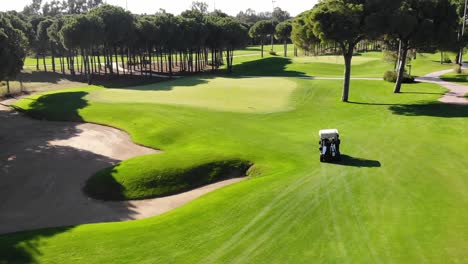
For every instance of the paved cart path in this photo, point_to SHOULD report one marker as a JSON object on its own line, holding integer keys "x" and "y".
{"x": 456, "y": 91}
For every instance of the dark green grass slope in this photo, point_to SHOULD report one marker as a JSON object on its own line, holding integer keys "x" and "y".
{"x": 399, "y": 196}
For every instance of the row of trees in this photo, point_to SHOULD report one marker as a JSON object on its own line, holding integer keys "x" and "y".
{"x": 56, "y": 7}
{"x": 249, "y": 17}
{"x": 13, "y": 44}
{"x": 269, "y": 29}
{"x": 413, "y": 24}
{"x": 110, "y": 40}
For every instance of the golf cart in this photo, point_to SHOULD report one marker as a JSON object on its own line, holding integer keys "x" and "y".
{"x": 329, "y": 145}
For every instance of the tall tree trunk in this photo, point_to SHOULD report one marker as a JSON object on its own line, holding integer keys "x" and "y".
{"x": 8, "y": 86}
{"x": 161, "y": 59}
{"x": 347, "y": 76}
{"x": 68, "y": 61}
{"x": 83, "y": 63}
{"x": 61, "y": 64}
{"x": 116, "y": 60}
{"x": 285, "y": 48}
{"x": 44, "y": 62}
{"x": 122, "y": 55}
{"x": 261, "y": 43}
{"x": 53, "y": 57}
{"x": 129, "y": 61}
{"x": 272, "y": 42}
{"x": 104, "y": 53}
{"x": 212, "y": 60}
{"x": 37, "y": 62}
{"x": 150, "y": 60}
{"x": 93, "y": 62}
{"x": 170, "y": 63}
{"x": 401, "y": 67}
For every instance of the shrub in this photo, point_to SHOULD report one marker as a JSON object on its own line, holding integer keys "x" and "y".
{"x": 447, "y": 60}
{"x": 391, "y": 76}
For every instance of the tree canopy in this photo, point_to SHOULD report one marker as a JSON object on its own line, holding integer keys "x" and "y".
{"x": 12, "y": 49}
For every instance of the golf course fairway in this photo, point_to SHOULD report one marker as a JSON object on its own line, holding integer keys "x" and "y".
{"x": 400, "y": 195}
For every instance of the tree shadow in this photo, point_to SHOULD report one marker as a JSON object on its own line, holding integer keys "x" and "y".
{"x": 45, "y": 77}
{"x": 107, "y": 81}
{"x": 272, "y": 66}
{"x": 58, "y": 106}
{"x": 358, "y": 162}
{"x": 168, "y": 84}
{"x": 23, "y": 247}
{"x": 422, "y": 93}
{"x": 434, "y": 109}
{"x": 365, "y": 103}
{"x": 459, "y": 78}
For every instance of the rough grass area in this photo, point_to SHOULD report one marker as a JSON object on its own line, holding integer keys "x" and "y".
{"x": 161, "y": 177}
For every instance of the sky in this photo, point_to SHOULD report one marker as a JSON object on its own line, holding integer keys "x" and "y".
{"x": 232, "y": 7}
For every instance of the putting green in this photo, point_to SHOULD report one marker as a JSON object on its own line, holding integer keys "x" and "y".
{"x": 222, "y": 94}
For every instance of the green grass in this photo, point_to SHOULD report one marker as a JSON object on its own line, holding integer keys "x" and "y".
{"x": 223, "y": 94}
{"x": 399, "y": 196}
{"x": 455, "y": 77}
{"x": 165, "y": 177}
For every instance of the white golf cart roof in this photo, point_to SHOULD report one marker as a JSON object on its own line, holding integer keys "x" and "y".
{"x": 329, "y": 133}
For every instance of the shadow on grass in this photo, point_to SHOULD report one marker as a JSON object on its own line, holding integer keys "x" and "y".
{"x": 106, "y": 81}
{"x": 58, "y": 106}
{"x": 273, "y": 66}
{"x": 364, "y": 103}
{"x": 358, "y": 162}
{"x": 113, "y": 190}
{"x": 461, "y": 78}
{"x": 421, "y": 93}
{"x": 434, "y": 109}
{"x": 22, "y": 247}
{"x": 167, "y": 85}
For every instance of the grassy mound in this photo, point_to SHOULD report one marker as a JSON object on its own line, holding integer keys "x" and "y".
{"x": 147, "y": 176}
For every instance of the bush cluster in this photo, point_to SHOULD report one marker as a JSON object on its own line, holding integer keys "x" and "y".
{"x": 391, "y": 76}
{"x": 457, "y": 69}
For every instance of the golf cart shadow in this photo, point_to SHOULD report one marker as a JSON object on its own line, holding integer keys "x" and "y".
{"x": 358, "y": 162}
